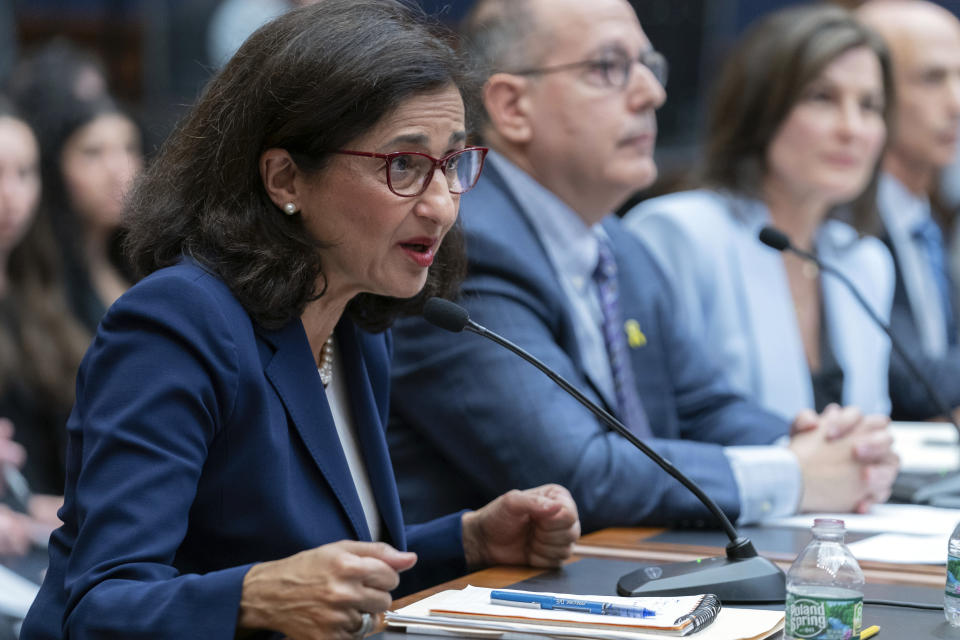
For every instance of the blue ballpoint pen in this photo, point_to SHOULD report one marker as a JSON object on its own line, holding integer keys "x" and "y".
{"x": 538, "y": 601}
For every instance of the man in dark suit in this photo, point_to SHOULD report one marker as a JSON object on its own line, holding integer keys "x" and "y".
{"x": 924, "y": 41}
{"x": 572, "y": 128}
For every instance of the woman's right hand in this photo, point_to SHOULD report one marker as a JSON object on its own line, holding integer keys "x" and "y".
{"x": 322, "y": 592}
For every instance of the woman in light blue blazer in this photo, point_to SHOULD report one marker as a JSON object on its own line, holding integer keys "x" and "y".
{"x": 227, "y": 470}
{"x": 796, "y": 131}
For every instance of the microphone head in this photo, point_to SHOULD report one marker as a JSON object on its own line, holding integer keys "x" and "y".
{"x": 774, "y": 238}
{"x": 446, "y": 315}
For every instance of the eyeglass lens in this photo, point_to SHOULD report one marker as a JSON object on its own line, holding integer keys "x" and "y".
{"x": 409, "y": 172}
{"x": 618, "y": 69}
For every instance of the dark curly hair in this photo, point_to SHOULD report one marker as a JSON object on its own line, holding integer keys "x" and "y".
{"x": 309, "y": 82}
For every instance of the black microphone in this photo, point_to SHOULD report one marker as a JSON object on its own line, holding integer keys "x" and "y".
{"x": 742, "y": 576}
{"x": 776, "y": 239}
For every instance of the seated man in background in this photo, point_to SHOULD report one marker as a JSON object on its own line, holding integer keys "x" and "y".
{"x": 569, "y": 111}
{"x": 924, "y": 42}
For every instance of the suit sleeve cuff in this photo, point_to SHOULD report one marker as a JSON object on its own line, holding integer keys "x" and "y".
{"x": 768, "y": 480}
{"x": 439, "y": 548}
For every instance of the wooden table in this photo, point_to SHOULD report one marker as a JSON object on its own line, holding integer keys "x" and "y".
{"x": 633, "y": 543}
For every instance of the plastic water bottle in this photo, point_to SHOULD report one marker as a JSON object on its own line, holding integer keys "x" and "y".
{"x": 951, "y": 594}
{"x": 824, "y": 588}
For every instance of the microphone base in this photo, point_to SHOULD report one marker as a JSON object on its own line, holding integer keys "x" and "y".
{"x": 748, "y": 580}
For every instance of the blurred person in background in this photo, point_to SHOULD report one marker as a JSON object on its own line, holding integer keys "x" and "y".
{"x": 234, "y": 21}
{"x": 924, "y": 41}
{"x": 90, "y": 154}
{"x": 40, "y": 343}
{"x": 50, "y": 77}
{"x": 90, "y": 150}
{"x": 796, "y": 130}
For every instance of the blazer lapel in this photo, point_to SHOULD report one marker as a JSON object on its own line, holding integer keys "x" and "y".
{"x": 293, "y": 373}
{"x": 493, "y": 176}
{"x": 782, "y": 374}
{"x": 369, "y": 422}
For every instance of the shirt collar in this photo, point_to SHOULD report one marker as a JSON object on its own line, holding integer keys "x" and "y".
{"x": 570, "y": 243}
{"x": 902, "y": 210}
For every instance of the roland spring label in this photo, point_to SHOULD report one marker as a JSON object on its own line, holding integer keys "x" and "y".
{"x": 813, "y": 618}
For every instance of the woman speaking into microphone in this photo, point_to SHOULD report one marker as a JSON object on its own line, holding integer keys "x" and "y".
{"x": 226, "y": 467}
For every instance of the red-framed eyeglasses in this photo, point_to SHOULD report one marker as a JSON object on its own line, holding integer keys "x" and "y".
{"x": 409, "y": 173}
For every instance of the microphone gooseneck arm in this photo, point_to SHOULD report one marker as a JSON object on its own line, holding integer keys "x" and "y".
{"x": 614, "y": 424}
{"x": 776, "y": 239}
{"x": 742, "y": 576}
{"x": 454, "y": 318}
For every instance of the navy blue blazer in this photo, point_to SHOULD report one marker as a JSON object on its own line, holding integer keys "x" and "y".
{"x": 201, "y": 443}
{"x": 908, "y": 395}
{"x": 487, "y": 422}
{"x": 910, "y": 398}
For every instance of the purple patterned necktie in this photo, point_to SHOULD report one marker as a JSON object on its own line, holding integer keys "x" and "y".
{"x": 629, "y": 409}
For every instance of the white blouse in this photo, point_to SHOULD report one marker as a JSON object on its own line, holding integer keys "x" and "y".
{"x": 339, "y": 403}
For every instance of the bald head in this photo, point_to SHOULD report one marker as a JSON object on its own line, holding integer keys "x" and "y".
{"x": 924, "y": 42}
{"x": 499, "y": 35}
{"x": 566, "y": 96}
{"x": 898, "y": 18}
{"x": 504, "y": 35}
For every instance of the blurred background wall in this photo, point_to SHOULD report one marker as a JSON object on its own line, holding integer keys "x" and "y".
{"x": 156, "y": 51}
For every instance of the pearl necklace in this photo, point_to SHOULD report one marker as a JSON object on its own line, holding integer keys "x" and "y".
{"x": 326, "y": 362}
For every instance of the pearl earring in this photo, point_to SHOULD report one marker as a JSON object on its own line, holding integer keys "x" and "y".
{"x": 290, "y": 209}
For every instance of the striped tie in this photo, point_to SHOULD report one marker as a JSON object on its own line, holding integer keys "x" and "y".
{"x": 629, "y": 409}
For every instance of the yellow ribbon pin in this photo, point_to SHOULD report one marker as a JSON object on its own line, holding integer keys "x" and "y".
{"x": 635, "y": 337}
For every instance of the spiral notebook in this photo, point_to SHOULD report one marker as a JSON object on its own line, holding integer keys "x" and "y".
{"x": 469, "y": 612}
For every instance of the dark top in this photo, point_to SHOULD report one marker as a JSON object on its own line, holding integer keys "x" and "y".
{"x": 828, "y": 380}
{"x": 910, "y": 399}
{"x": 38, "y": 420}
{"x": 40, "y": 428}
{"x": 84, "y": 301}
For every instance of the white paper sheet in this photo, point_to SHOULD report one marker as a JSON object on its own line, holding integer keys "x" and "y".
{"x": 926, "y": 446}
{"x": 731, "y": 624}
{"x": 883, "y": 518}
{"x": 900, "y": 548}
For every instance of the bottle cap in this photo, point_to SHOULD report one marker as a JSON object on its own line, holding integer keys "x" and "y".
{"x": 828, "y": 523}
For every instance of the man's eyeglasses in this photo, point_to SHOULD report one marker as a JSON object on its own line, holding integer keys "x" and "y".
{"x": 409, "y": 173}
{"x": 611, "y": 70}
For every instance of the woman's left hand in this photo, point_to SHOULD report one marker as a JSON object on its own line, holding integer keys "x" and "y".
{"x": 536, "y": 527}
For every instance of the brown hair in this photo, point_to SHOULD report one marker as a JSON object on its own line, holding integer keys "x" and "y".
{"x": 41, "y": 343}
{"x": 309, "y": 82}
{"x": 764, "y": 78}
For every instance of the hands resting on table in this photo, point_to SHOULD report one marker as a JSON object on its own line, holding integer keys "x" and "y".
{"x": 336, "y": 590}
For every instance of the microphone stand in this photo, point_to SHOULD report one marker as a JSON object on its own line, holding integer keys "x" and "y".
{"x": 776, "y": 239}
{"x": 922, "y": 488}
{"x": 741, "y": 576}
